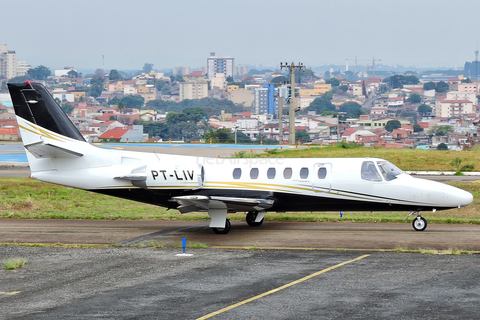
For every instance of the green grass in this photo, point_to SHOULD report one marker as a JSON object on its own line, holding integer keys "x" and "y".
{"x": 405, "y": 159}
{"x": 192, "y": 245}
{"x": 14, "y": 263}
{"x": 28, "y": 198}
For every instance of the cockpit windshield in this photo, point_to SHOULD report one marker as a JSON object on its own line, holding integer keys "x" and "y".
{"x": 389, "y": 170}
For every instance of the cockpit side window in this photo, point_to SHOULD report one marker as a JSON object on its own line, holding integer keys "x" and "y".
{"x": 389, "y": 171}
{"x": 370, "y": 172}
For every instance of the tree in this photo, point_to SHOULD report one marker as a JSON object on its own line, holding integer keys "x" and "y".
{"x": 148, "y": 67}
{"x": 160, "y": 83}
{"x": 166, "y": 90}
{"x": 321, "y": 104}
{"x": 279, "y": 79}
{"x": 415, "y": 98}
{"x": 302, "y": 135}
{"x": 120, "y": 106}
{"x": 417, "y": 128}
{"x": 441, "y": 86}
{"x": 19, "y": 79}
{"x": 133, "y": 101}
{"x": 392, "y": 125}
{"x": 441, "y": 130}
{"x": 218, "y": 135}
{"x": 352, "y": 109}
{"x": 39, "y": 73}
{"x": 423, "y": 109}
{"x": 344, "y": 88}
{"x": 67, "y": 107}
{"x": 442, "y": 146}
{"x": 179, "y": 77}
{"x": 398, "y": 80}
{"x": 429, "y": 85}
{"x": 333, "y": 81}
{"x": 72, "y": 74}
{"x": 457, "y": 164}
{"x": 114, "y": 75}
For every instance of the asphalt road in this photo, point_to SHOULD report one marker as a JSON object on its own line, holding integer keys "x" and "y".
{"x": 144, "y": 283}
{"x": 329, "y": 272}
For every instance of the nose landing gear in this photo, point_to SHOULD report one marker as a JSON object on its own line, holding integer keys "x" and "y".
{"x": 419, "y": 223}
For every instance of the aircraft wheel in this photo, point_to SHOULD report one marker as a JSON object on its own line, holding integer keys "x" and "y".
{"x": 419, "y": 224}
{"x": 251, "y": 216}
{"x": 225, "y": 230}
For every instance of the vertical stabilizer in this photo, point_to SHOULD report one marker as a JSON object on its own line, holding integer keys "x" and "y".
{"x": 32, "y": 102}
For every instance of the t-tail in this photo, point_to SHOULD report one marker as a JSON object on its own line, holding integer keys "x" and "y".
{"x": 47, "y": 133}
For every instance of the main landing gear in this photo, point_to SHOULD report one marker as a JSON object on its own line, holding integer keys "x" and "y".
{"x": 251, "y": 217}
{"x": 225, "y": 230}
{"x": 419, "y": 223}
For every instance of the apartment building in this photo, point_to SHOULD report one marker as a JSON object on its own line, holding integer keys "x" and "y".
{"x": 220, "y": 64}
{"x": 193, "y": 90}
{"x": 8, "y": 62}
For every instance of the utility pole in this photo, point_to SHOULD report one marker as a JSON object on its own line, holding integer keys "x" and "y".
{"x": 280, "y": 120}
{"x": 476, "y": 71}
{"x": 292, "y": 67}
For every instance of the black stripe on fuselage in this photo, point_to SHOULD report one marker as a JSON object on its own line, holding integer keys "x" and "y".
{"x": 283, "y": 201}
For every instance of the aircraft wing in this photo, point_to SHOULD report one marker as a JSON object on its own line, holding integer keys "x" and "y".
{"x": 203, "y": 203}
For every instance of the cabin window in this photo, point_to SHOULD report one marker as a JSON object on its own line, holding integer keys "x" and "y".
{"x": 271, "y": 172}
{"x": 237, "y": 173}
{"x": 389, "y": 171}
{"x": 322, "y": 173}
{"x": 304, "y": 173}
{"x": 254, "y": 173}
{"x": 370, "y": 172}
{"x": 287, "y": 173}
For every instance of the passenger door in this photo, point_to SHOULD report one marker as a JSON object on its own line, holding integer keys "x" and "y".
{"x": 322, "y": 177}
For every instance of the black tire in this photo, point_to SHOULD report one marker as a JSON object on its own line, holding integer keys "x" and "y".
{"x": 419, "y": 224}
{"x": 251, "y": 216}
{"x": 225, "y": 230}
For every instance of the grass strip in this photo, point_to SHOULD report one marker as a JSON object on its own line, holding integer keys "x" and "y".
{"x": 14, "y": 263}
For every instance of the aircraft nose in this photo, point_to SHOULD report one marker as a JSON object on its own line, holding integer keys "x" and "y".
{"x": 460, "y": 197}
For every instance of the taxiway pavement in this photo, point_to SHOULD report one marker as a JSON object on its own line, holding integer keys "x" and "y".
{"x": 146, "y": 283}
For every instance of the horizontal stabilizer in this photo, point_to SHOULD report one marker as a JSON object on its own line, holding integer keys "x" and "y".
{"x": 40, "y": 149}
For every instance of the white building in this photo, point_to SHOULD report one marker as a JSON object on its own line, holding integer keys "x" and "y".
{"x": 8, "y": 62}
{"x": 219, "y": 82}
{"x": 220, "y": 64}
{"x": 22, "y": 68}
{"x": 182, "y": 70}
{"x": 64, "y": 72}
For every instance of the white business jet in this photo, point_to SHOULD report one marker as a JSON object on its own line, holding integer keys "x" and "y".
{"x": 58, "y": 153}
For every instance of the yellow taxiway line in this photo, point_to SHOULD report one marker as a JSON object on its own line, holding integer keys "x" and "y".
{"x": 10, "y": 293}
{"x": 280, "y": 288}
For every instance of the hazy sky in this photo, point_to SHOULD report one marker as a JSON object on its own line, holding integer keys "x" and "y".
{"x": 420, "y": 33}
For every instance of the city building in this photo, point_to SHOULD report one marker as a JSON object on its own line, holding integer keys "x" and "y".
{"x": 220, "y": 64}
{"x": 22, "y": 68}
{"x": 193, "y": 90}
{"x": 241, "y": 70}
{"x": 181, "y": 70}
{"x": 265, "y": 102}
{"x": 8, "y": 62}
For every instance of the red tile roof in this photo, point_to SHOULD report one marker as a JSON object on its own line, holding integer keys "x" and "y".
{"x": 116, "y": 133}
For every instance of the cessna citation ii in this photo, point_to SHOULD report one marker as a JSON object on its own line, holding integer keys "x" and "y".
{"x": 58, "y": 153}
